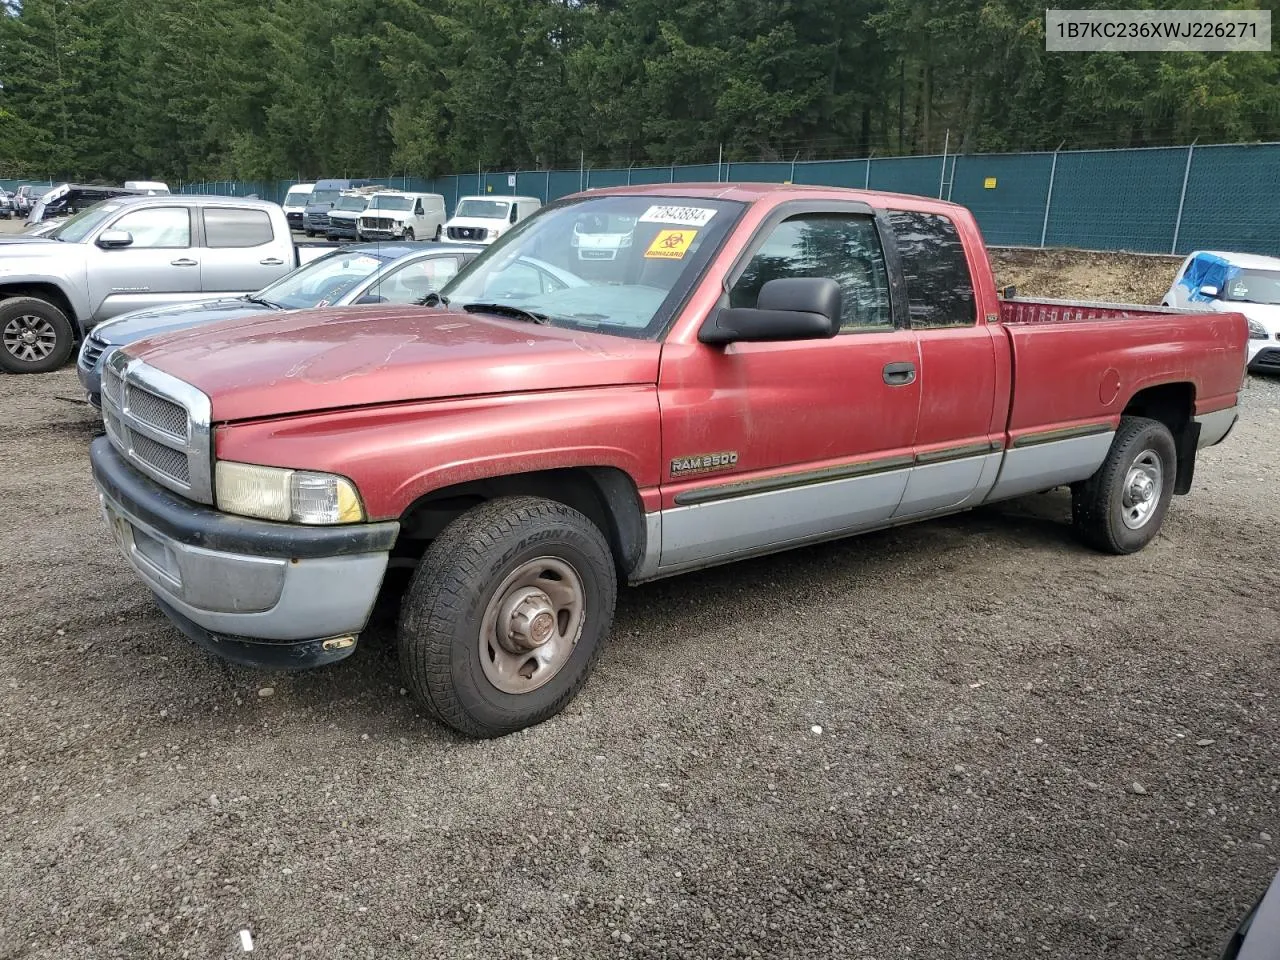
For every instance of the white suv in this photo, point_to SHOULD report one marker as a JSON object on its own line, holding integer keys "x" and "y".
{"x": 485, "y": 219}
{"x": 393, "y": 215}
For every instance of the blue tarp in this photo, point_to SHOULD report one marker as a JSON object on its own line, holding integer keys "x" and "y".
{"x": 1207, "y": 270}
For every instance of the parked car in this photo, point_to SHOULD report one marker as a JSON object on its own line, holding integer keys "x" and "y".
{"x": 602, "y": 237}
{"x": 484, "y": 219}
{"x": 295, "y": 203}
{"x": 68, "y": 199}
{"x": 399, "y": 273}
{"x": 6, "y": 204}
{"x": 392, "y": 215}
{"x": 765, "y": 367}
{"x": 325, "y": 193}
{"x": 1237, "y": 283}
{"x": 128, "y": 253}
{"x": 152, "y": 188}
{"x": 345, "y": 212}
{"x": 26, "y": 195}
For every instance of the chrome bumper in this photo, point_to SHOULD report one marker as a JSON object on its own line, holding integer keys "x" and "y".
{"x": 243, "y": 581}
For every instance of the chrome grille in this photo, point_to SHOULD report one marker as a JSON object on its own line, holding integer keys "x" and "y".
{"x": 160, "y": 424}
{"x": 165, "y": 415}
{"x": 92, "y": 352}
{"x": 467, "y": 233}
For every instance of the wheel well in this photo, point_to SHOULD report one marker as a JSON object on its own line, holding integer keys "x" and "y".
{"x": 605, "y": 495}
{"x": 1173, "y": 404}
{"x": 49, "y": 292}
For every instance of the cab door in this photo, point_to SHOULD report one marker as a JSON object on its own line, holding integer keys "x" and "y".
{"x": 159, "y": 265}
{"x": 963, "y": 368}
{"x": 770, "y": 444}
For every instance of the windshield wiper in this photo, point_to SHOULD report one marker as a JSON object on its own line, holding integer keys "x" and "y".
{"x": 261, "y": 301}
{"x": 507, "y": 310}
{"x": 431, "y": 299}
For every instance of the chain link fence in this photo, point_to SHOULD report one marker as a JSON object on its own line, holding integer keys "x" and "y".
{"x": 1148, "y": 200}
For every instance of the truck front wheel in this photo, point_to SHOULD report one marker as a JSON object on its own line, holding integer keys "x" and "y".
{"x": 1121, "y": 507}
{"x": 507, "y": 615}
{"x": 35, "y": 336}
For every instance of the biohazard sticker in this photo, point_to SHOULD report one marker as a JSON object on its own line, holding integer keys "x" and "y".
{"x": 670, "y": 244}
{"x": 684, "y": 216}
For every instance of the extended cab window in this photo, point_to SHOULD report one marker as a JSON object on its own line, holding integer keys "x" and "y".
{"x": 844, "y": 247}
{"x": 231, "y": 227}
{"x": 157, "y": 227}
{"x": 939, "y": 287}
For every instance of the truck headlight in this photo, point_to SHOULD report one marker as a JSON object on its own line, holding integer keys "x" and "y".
{"x": 290, "y": 496}
{"x": 1257, "y": 331}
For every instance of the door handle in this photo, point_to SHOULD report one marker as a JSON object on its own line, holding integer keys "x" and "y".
{"x": 899, "y": 374}
{"x": 184, "y": 262}
{"x": 272, "y": 262}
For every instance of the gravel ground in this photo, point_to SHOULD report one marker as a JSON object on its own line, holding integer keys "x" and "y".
{"x": 966, "y": 738}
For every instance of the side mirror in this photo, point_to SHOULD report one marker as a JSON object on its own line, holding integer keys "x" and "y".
{"x": 791, "y": 308}
{"x": 108, "y": 239}
{"x": 371, "y": 298}
{"x": 1208, "y": 290}
{"x": 1009, "y": 292}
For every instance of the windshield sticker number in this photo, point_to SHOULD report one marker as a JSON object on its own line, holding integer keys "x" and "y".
{"x": 683, "y": 216}
{"x": 670, "y": 244}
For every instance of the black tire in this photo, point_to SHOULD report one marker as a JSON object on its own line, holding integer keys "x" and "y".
{"x": 439, "y": 233}
{"x": 310, "y": 233}
{"x": 457, "y": 582}
{"x": 408, "y": 235}
{"x": 1100, "y": 505}
{"x": 51, "y": 326}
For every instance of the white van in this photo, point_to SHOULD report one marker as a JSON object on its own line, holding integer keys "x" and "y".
{"x": 152, "y": 188}
{"x": 484, "y": 219}
{"x": 396, "y": 215}
{"x": 295, "y": 201}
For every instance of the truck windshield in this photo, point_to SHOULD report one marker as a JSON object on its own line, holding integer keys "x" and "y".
{"x": 85, "y": 222}
{"x": 538, "y": 268}
{"x": 483, "y": 209}
{"x": 323, "y": 281}
{"x": 351, "y": 203}
{"x": 1254, "y": 286}
{"x": 391, "y": 203}
{"x": 324, "y": 196}
{"x": 297, "y": 198}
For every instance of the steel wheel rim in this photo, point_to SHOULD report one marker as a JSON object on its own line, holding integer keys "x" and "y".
{"x": 531, "y": 625}
{"x": 1143, "y": 485}
{"x": 30, "y": 338}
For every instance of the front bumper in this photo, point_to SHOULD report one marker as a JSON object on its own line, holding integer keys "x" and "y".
{"x": 295, "y": 220}
{"x": 252, "y": 591}
{"x": 1264, "y": 359}
{"x": 337, "y": 228}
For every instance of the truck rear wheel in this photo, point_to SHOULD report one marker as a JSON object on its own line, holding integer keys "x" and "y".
{"x": 507, "y": 615}
{"x": 35, "y": 336}
{"x": 1121, "y": 507}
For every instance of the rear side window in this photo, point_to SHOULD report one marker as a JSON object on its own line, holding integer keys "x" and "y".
{"x": 844, "y": 247}
{"x": 232, "y": 227}
{"x": 939, "y": 286}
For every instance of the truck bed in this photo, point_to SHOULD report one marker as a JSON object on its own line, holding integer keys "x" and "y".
{"x": 1073, "y": 367}
{"x": 1030, "y": 310}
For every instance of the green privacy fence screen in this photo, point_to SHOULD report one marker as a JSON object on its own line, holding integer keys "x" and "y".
{"x": 1149, "y": 200}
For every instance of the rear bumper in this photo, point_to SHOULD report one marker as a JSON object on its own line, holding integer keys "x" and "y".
{"x": 1215, "y": 427}
{"x": 251, "y": 591}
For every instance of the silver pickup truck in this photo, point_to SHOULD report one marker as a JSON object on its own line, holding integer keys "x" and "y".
{"x": 128, "y": 253}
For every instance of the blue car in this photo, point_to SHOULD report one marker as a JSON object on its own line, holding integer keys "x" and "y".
{"x": 363, "y": 273}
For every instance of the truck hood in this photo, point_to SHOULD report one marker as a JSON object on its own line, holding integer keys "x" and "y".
{"x": 140, "y": 324}
{"x": 306, "y": 360}
{"x": 36, "y": 247}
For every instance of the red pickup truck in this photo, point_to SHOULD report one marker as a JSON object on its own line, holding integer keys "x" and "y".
{"x": 740, "y": 369}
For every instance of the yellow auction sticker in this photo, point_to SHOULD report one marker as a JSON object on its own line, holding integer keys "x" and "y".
{"x": 670, "y": 244}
